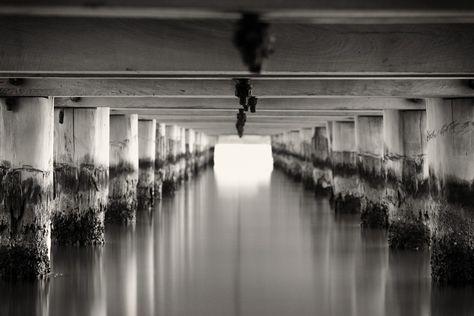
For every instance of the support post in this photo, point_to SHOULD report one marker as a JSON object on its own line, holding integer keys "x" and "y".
{"x": 189, "y": 153}
{"x": 171, "y": 174}
{"x": 451, "y": 176}
{"x": 344, "y": 159}
{"x": 306, "y": 153}
{"x": 322, "y": 173}
{"x": 295, "y": 168}
{"x": 146, "y": 163}
{"x": 211, "y": 143}
{"x": 26, "y": 174}
{"x": 279, "y": 151}
{"x": 197, "y": 152}
{"x": 160, "y": 159}
{"x": 81, "y": 174}
{"x": 123, "y": 169}
{"x": 182, "y": 155}
{"x": 404, "y": 134}
{"x": 369, "y": 143}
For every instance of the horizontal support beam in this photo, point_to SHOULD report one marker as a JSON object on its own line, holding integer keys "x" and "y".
{"x": 280, "y": 104}
{"x": 212, "y": 120}
{"x": 177, "y": 113}
{"x": 234, "y": 139}
{"x": 117, "y": 46}
{"x": 225, "y": 88}
{"x": 249, "y": 129}
{"x": 340, "y": 11}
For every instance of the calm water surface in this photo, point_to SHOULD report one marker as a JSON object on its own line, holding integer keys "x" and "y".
{"x": 224, "y": 247}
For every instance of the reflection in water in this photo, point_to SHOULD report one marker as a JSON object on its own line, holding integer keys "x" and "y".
{"x": 226, "y": 250}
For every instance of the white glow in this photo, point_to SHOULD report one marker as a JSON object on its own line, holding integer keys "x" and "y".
{"x": 243, "y": 165}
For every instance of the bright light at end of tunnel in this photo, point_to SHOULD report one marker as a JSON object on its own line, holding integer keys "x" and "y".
{"x": 243, "y": 165}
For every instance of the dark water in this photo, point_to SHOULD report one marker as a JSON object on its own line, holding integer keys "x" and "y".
{"x": 220, "y": 248}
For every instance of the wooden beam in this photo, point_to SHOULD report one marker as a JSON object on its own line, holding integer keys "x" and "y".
{"x": 247, "y": 139}
{"x": 42, "y": 46}
{"x": 225, "y": 88}
{"x": 231, "y": 119}
{"x": 160, "y": 112}
{"x": 278, "y": 104}
{"x": 250, "y": 129}
{"x": 338, "y": 11}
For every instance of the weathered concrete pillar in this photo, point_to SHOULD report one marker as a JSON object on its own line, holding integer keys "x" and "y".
{"x": 344, "y": 159}
{"x": 322, "y": 173}
{"x": 278, "y": 151}
{"x": 123, "y": 169}
{"x": 26, "y": 173}
{"x": 404, "y": 134}
{"x": 81, "y": 174}
{"x": 369, "y": 143}
{"x": 207, "y": 148}
{"x": 306, "y": 153}
{"x": 211, "y": 143}
{"x": 450, "y": 133}
{"x": 182, "y": 155}
{"x": 171, "y": 175}
{"x": 197, "y": 152}
{"x": 160, "y": 158}
{"x": 189, "y": 153}
{"x": 295, "y": 164}
{"x": 146, "y": 162}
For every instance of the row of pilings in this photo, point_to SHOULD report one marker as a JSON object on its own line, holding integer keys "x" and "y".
{"x": 67, "y": 172}
{"x": 409, "y": 171}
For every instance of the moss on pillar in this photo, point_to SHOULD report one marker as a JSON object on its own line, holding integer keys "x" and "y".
{"x": 346, "y": 203}
{"x": 374, "y": 210}
{"x": 123, "y": 194}
{"x": 26, "y": 197}
{"x": 346, "y": 193}
{"x": 452, "y": 242}
{"x": 146, "y": 185}
{"x": 410, "y": 234}
{"x": 81, "y": 200}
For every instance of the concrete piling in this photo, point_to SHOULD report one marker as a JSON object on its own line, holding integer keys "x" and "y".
{"x": 369, "y": 143}
{"x": 160, "y": 158}
{"x": 171, "y": 170}
{"x": 321, "y": 160}
{"x": 146, "y": 162}
{"x": 26, "y": 174}
{"x": 306, "y": 152}
{"x": 189, "y": 153}
{"x": 406, "y": 190}
{"x": 198, "y": 139}
{"x": 344, "y": 166}
{"x": 81, "y": 174}
{"x": 451, "y": 174}
{"x": 123, "y": 169}
{"x": 294, "y": 148}
{"x": 181, "y": 155}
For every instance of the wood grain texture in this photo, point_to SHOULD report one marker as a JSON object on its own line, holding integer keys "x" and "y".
{"x": 220, "y": 88}
{"x": 160, "y": 112}
{"x": 280, "y": 104}
{"x": 322, "y": 11}
{"x": 48, "y": 46}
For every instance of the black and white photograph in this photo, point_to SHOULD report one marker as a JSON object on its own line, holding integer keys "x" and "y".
{"x": 236, "y": 157}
